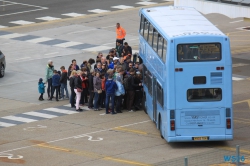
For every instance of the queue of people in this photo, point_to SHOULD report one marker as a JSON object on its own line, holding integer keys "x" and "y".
{"x": 113, "y": 83}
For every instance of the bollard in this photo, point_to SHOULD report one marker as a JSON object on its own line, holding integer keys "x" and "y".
{"x": 186, "y": 161}
{"x": 238, "y": 155}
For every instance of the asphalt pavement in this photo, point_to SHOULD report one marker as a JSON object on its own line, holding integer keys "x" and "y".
{"x": 35, "y": 133}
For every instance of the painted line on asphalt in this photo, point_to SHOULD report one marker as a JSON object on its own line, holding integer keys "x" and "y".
{"x": 82, "y": 17}
{"x": 235, "y": 21}
{"x": 73, "y": 137}
{"x": 52, "y": 53}
{"x": 91, "y": 154}
{"x": 131, "y": 131}
{"x": 243, "y": 101}
{"x": 23, "y": 58}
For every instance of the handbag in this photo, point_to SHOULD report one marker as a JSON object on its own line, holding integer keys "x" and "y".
{"x": 79, "y": 90}
{"x": 99, "y": 91}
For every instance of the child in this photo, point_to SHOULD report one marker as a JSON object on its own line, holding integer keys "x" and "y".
{"x": 41, "y": 89}
{"x": 55, "y": 84}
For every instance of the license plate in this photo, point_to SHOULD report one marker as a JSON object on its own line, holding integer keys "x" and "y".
{"x": 200, "y": 138}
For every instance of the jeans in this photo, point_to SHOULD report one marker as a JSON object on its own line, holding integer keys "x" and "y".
{"x": 49, "y": 88}
{"x": 84, "y": 96}
{"x": 118, "y": 100}
{"x": 108, "y": 96}
{"x": 91, "y": 97}
{"x": 64, "y": 86}
{"x": 130, "y": 99}
{"x": 55, "y": 88}
{"x": 102, "y": 99}
{"x": 72, "y": 97}
{"x": 78, "y": 97}
{"x": 96, "y": 104}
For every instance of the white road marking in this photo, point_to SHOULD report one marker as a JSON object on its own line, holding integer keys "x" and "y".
{"x": 22, "y": 58}
{"x": 22, "y": 22}
{"x": 73, "y": 14}
{"x": 6, "y": 5}
{"x": 98, "y": 11}
{"x": 81, "y": 31}
{"x": 103, "y": 114}
{"x": 1, "y": 26}
{"x": 35, "y": 128}
{"x": 108, "y": 27}
{"x": 122, "y": 7}
{"x": 3, "y": 124}
{"x": 40, "y": 115}
{"x": 68, "y": 44}
{"x": 68, "y": 105}
{"x": 7, "y": 43}
{"x": 60, "y": 111}
{"x": 240, "y": 64}
{"x": 235, "y": 21}
{"x": 39, "y": 40}
{"x": 48, "y": 18}
{"x": 20, "y": 119}
{"x": 13, "y": 35}
{"x": 10, "y": 156}
{"x": 73, "y": 137}
{"x": 97, "y": 48}
{"x": 27, "y": 11}
{"x": 237, "y": 79}
{"x": 52, "y": 53}
{"x": 146, "y": 3}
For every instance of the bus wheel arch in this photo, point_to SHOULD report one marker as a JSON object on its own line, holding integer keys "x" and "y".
{"x": 160, "y": 125}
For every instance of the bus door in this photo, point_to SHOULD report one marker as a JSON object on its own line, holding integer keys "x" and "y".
{"x": 154, "y": 99}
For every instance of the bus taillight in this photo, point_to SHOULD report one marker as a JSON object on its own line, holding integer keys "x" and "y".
{"x": 220, "y": 68}
{"x": 178, "y": 69}
{"x": 228, "y": 121}
{"x": 172, "y": 125}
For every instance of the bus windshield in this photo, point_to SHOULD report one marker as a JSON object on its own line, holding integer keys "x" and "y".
{"x": 199, "y": 52}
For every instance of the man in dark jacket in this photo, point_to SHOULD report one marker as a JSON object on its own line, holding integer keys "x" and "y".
{"x": 91, "y": 89}
{"x": 110, "y": 93}
{"x": 63, "y": 81}
{"x": 55, "y": 84}
{"x": 131, "y": 90}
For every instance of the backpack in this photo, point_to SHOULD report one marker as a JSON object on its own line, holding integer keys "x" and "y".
{"x": 126, "y": 83}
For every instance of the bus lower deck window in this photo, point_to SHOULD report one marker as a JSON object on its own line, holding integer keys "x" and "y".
{"x": 204, "y": 94}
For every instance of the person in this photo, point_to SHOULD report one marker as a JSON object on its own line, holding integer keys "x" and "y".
{"x": 128, "y": 60}
{"x": 119, "y": 48}
{"x": 110, "y": 55}
{"x": 120, "y": 33}
{"x": 78, "y": 89}
{"x": 110, "y": 93}
{"x": 63, "y": 81}
{"x": 136, "y": 67}
{"x": 97, "y": 89}
{"x": 84, "y": 80}
{"x": 118, "y": 95}
{"x": 113, "y": 63}
{"x": 138, "y": 90}
{"x": 59, "y": 90}
{"x": 41, "y": 89}
{"x": 99, "y": 55}
{"x": 102, "y": 96}
{"x": 131, "y": 90}
{"x": 91, "y": 89}
{"x": 91, "y": 61}
{"x": 130, "y": 66}
{"x": 98, "y": 69}
{"x": 74, "y": 65}
{"x": 72, "y": 86}
{"x": 55, "y": 85}
{"x": 127, "y": 49}
{"x": 104, "y": 68}
{"x": 48, "y": 77}
{"x": 122, "y": 63}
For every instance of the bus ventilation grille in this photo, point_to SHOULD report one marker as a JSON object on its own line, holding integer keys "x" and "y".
{"x": 216, "y": 78}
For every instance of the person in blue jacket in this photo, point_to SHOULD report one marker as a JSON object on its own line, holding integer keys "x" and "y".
{"x": 55, "y": 84}
{"x": 120, "y": 91}
{"x": 110, "y": 93}
{"x": 41, "y": 89}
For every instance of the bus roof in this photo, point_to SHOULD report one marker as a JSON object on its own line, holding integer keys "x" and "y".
{"x": 180, "y": 21}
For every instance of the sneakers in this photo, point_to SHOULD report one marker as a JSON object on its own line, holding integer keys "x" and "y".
{"x": 131, "y": 111}
{"x": 113, "y": 113}
{"x": 79, "y": 110}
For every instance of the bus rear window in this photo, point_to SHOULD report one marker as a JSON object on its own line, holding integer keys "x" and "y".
{"x": 204, "y": 95}
{"x": 199, "y": 52}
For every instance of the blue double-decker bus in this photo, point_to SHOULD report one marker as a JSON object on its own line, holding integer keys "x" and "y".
{"x": 187, "y": 75}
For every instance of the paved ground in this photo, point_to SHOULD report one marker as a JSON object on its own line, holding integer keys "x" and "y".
{"x": 51, "y": 133}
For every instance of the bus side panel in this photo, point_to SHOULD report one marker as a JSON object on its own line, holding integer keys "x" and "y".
{"x": 228, "y": 83}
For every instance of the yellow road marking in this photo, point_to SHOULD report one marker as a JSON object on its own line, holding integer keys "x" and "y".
{"x": 93, "y": 155}
{"x": 243, "y": 101}
{"x": 135, "y": 131}
{"x": 234, "y": 149}
{"x": 240, "y": 121}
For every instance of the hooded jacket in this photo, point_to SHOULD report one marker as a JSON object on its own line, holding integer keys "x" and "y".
{"x": 110, "y": 86}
